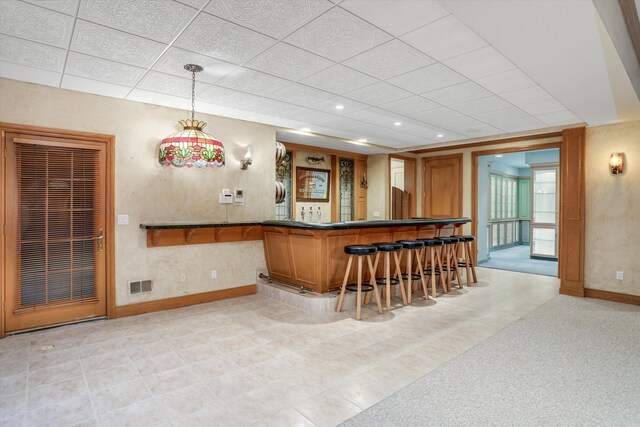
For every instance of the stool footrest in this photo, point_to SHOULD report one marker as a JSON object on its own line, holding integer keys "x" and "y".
{"x": 354, "y": 287}
{"x": 383, "y": 281}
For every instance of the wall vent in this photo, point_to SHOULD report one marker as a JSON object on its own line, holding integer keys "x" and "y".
{"x": 140, "y": 286}
{"x": 145, "y": 286}
{"x": 134, "y": 287}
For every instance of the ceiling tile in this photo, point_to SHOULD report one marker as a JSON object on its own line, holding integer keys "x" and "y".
{"x": 31, "y": 54}
{"x": 499, "y": 116}
{"x": 93, "y": 86}
{"x": 429, "y": 78}
{"x": 376, "y": 116}
{"x": 220, "y": 39}
{"x": 174, "y": 60}
{"x": 272, "y": 107}
{"x": 523, "y": 124}
{"x": 338, "y": 79}
{"x": 299, "y": 94}
{"x": 534, "y": 100}
{"x": 90, "y": 67}
{"x": 29, "y": 74}
{"x": 228, "y": 97}
{"x": 338, "y": 35}
{"x": 286, "y": 61}
{"x": 445, "y": 38}
{"x": 480, "y": 63}
{"x": 255, "y": 82}
{"x": 339, "y": 122}
{"x": 389, "y": 60}
{"x": 378, "y": 93}
{"x": 161, "y": 99}
{"x": 412, "y": 104}
{"x": 456, "y": 94}
{"x": 396, "y": 17}
{"x": 559, "y": 118}
{"x": 111, "y": 44}
{"x": 35, "y": 23}
{"x": 68, "y": 7}
{"x": 508, "y": 81}
{"x": 478, "y": 106}
{"x": 197, "y": 4}
{"x": 168, "y": 84}
{"x": 439, "y": 116}
{"x": 477, "y": 129}
{"x": 276, "y": 18}
{"x": 156, "y": 20}
{"x": 349, "y": 106}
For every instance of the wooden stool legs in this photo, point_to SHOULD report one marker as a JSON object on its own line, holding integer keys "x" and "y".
{"x": 410, "y": 274}
{"x": 388, "y": 276}
{"x": 359, "y": 289}
{"x": 469, "y": 254}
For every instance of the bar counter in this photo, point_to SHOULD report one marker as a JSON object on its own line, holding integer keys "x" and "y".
{"x": 312, "y": 255}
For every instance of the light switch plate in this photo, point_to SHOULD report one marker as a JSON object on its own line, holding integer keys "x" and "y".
{"x": 123, "y": 219}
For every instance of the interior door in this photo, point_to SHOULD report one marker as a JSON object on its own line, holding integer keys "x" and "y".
{"x": 442, "y": 186}
{"x": 55, "y": 222}
{"x": 544, "y": 212}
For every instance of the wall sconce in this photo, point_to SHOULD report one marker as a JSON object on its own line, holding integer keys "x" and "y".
{"x": 616, "y": 162}
{"x": 363, "y": 182}
{"x": 248, "y": 159}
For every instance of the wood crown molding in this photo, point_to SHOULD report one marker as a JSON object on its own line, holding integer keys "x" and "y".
{"x": 299, "y": 147}
{"x": 491, "y": 142}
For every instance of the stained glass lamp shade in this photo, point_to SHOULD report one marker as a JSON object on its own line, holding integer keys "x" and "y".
{"x": 191, "y": 146}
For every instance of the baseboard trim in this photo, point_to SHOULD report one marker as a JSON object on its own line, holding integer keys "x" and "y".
{"x": 612, "y": 296}
{"x": 183, "y": 301}
{"x": 564, "y": 290}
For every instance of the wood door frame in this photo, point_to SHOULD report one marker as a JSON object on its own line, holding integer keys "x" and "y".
{"x": 460, "y": 179}
{"x": 413, "y": 204}
{"x": 109, "y": 232}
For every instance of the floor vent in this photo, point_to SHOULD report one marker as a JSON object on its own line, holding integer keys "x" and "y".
{"x": 140, "y": 286}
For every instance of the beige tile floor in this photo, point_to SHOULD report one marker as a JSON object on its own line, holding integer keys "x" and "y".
{"x": 249, "y": 360}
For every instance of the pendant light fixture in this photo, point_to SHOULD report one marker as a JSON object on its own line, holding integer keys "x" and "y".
{"x": 191, "y": 146}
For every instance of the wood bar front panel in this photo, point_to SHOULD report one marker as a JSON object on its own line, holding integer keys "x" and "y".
{"x": 316, "y": 260}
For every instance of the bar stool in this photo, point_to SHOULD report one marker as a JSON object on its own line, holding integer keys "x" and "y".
{"x": 387, "y": 248}
{"x": 433, "y": 263}
{"x": 409, "y": 247}
{"x": 450, "y": 260}
{"x": 467, "y": 260}
{"x": 359, "y": 251}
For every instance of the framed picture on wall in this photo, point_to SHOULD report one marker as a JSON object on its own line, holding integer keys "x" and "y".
{"x": 312, "y": 185}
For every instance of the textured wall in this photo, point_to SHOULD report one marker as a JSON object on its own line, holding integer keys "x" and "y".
{"x": 613, "y": 209}
{"x": 378, "y": 191}
{"x": 149, "y": 193}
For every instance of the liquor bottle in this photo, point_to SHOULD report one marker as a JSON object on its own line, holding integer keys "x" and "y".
{"x": 302, "y": 214}
{"x": 310, "y": 214}
{"x": 319, "y": 216}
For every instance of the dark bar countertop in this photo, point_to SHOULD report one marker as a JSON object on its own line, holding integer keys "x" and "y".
{"x": 365, "y": 224}
{"x": 170, "y": 226}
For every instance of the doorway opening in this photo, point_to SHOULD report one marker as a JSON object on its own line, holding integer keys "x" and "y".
{"x": 518, "y": 211}
{"x": 402, "y": 187}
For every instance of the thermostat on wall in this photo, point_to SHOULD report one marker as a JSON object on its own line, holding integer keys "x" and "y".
{"x": 238, "y": 197}
{"x": 226, "y": 196}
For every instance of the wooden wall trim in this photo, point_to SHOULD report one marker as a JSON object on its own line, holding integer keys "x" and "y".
{"x": 491, "y": 142}
{"x": 612, "y": 296}
{"x": 183, "y": 301}
{"x": 571, "y": 235}
{"x": 202, "y": 235}
{"x": 299, "y": 147}
{"x": 109, "y": 141}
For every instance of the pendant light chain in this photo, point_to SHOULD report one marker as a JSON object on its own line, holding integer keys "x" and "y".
{"x": 193, "y": 93}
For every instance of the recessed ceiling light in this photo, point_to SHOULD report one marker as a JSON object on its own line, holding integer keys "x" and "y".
{"x": 339, "y": 107}
{"x": 305, "y": 129}
{"x": 397, "y": 123}
{"x": 362, "y": 140}
{"x": 498, "y": 155}
{"x": 439, "y": 135}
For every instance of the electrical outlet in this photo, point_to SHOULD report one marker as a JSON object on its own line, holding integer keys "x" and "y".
{"x": 376, "y": 214}
{"x": 619, "y": 275}
{"x": 183, "y": 277}
{"x": 214, "y": 274}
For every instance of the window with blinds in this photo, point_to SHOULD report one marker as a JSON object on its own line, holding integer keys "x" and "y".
{"x": 57, "y": 201}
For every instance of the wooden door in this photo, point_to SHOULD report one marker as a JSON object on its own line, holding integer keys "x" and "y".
{"x": 442, "y": 186}
{"x": 55, "y": 224}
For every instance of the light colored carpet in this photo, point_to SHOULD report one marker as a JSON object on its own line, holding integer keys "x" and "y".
{"x": 573, "y": 361}
{"x": 517, "y": 259}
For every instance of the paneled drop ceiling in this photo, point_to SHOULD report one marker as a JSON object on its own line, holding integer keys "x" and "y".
{"x": 389, "y": 74}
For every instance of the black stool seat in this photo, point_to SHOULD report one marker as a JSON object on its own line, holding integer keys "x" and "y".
{"x": 465, "y": 238}
{"x": 432, "y": 242}
{"x": 388, "y": 246}
{"x": 449, "y": 240}
{"x": 411, "y": 244}
{"x": 353, "y": 287}
{"x": 360, "y": 249}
